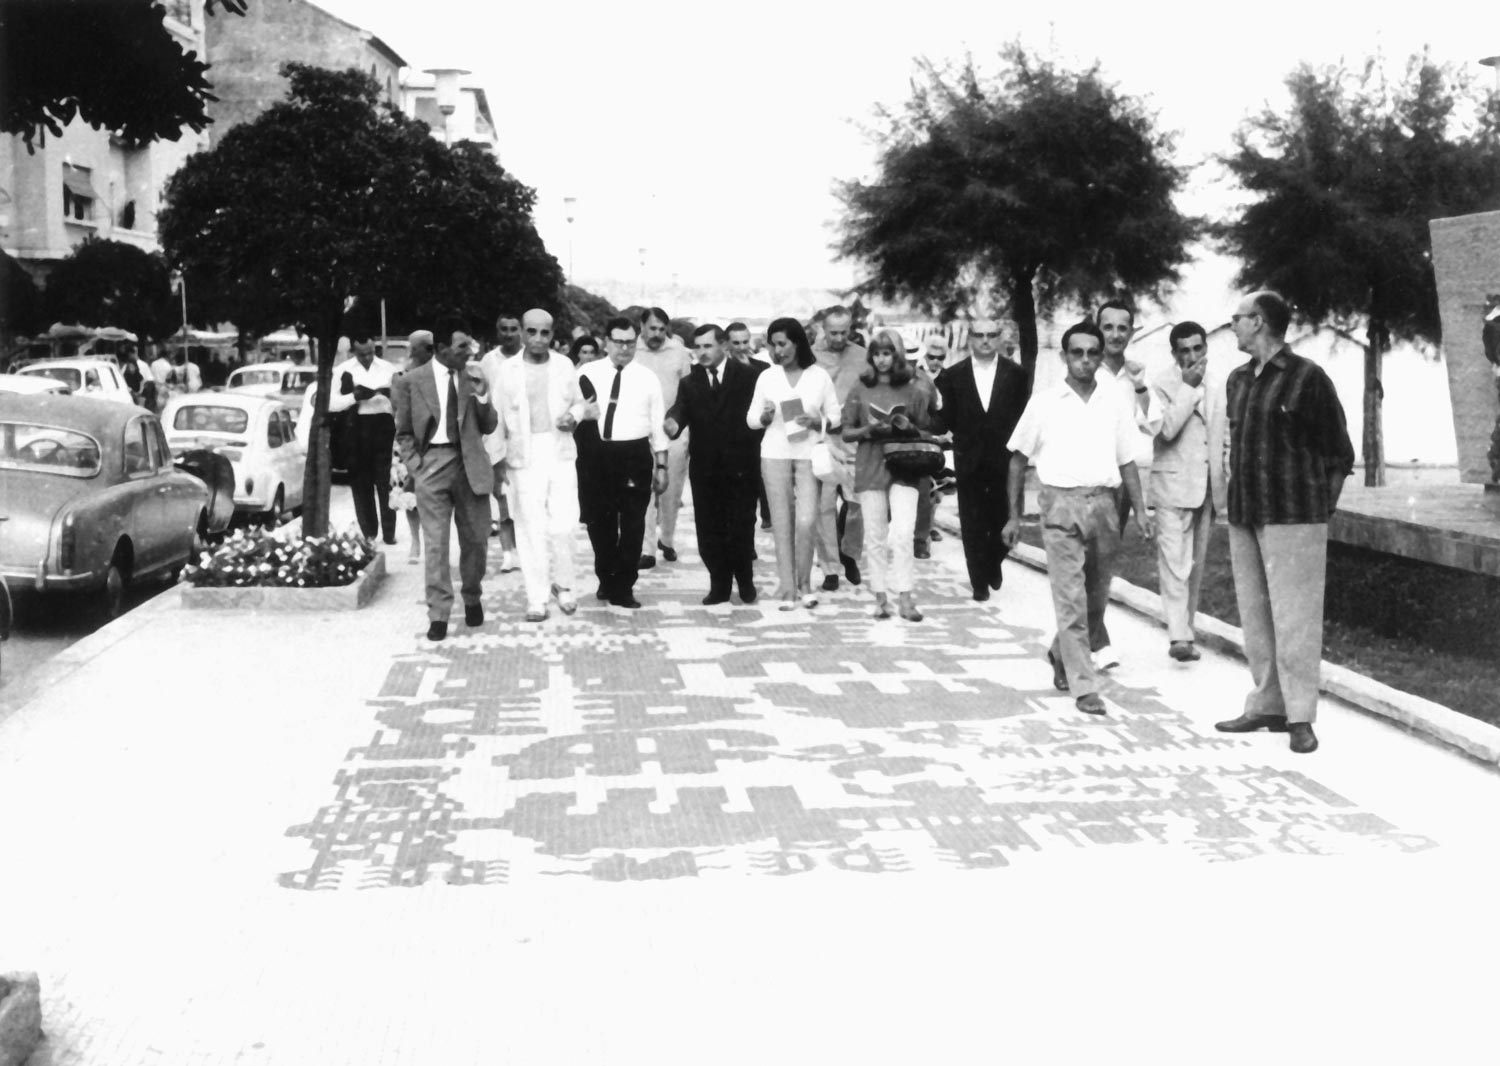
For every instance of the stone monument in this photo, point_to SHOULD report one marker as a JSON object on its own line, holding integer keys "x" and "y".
{"x": 1466, "y": 260}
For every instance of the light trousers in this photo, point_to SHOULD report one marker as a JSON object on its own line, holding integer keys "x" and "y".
{"x": 544, "y": 495}
{"x": 1279, "y": 575}
{"x": 661, "y": 512}
{"x": 445, "y": 501}
{"x": 1182, "y": 536}
{"x": 1081, "y": 534}
{"x": 792, "y": 492}
{"x": 890, "y": 524}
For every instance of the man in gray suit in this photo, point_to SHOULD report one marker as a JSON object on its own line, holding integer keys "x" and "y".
{"x": 443, "y": 412}
{"x": 1187, "y": 479}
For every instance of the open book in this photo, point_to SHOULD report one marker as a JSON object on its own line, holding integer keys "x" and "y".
{"x": 880, "y": 414}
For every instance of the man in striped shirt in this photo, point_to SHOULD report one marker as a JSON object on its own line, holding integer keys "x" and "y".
{"x": 1289, "y": 455}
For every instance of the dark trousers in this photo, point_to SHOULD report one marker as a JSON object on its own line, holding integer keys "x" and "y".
{"x": 617, "y": 514}
{"x": 724, "y": 504}
{"x": 982, "y": 512}
{"x": 370, "y": 475}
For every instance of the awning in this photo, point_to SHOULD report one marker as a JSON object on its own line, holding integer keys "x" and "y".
{"x": 76, "y": 181}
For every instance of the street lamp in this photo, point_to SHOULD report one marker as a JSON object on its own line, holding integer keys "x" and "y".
{"x": 569, "y": 203}
{"x": 642, "y": 252}
{"x": 1494, "y": 63}
{"x": 445, "y": 79}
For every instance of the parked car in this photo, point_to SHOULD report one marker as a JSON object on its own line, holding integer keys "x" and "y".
{"x": 92, "y": 501}
{"x": 31, "y": 384}
{"x": 285, "y": 381}
{"x": 84, "y": 377}
{"x": 258, "y": 435}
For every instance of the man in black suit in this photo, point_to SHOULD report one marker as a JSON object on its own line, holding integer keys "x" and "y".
{"x": 723, "y": 461}
{"x": 982, "y": 400}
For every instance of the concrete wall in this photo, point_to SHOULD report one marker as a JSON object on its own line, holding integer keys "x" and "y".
{"x": 246, "y": 55}
{"x": 1466, "y": 257}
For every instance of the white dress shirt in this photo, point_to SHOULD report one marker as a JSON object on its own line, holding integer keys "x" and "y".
{"x": 1073, "y": 443}
{"x": 639, "y": 410}
{"x": 984, "y": 378}
{"x": 1147, "y": 422}
{"x": 440, "y": 375}
{"x": 376, "y": 376}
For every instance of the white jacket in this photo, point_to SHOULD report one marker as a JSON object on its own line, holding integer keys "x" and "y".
{"x": 563, "y": 397}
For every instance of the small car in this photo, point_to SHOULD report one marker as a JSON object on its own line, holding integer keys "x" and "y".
{"x": 84, "y": 377}
{"x": 31, "y": 384}
{"x": 257, "y": 434}
{"x": 91, "y": 501}
{"x": 284, "y": 381}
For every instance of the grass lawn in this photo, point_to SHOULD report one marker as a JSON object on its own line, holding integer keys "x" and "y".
{"x": 1429, "y": 630}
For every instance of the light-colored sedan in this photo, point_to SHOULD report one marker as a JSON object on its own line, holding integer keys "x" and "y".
{"x": 90, "y": 500}
{"x": 282, "y": 381}
{"x": 30, "y": 384}
{"x": 84, "y": 377}
{"x": 257, "y": 435}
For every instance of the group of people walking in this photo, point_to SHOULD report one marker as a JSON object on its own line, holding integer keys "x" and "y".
{"x": 838, "y": 442}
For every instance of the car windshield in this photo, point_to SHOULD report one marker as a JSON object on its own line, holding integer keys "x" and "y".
{"x": 70, "y": 376}
{"x": 206, "y": 418}
{"x": 297, "y": 380}
{"x": 257, "y": 377}
{"x": 48, "y": 449}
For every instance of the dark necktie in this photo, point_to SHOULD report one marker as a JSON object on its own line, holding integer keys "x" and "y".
{"x": 450, "y": 423}
{"x": 713, "y": 376}
{"x": 614, "y": 396}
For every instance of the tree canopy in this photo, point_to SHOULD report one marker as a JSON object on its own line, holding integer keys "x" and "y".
{"x": 1017, "y": 191}
{"x": 110, "y": 283}
{"x": 21, "y": 308}
{"x": 112, "y": 63}
{"x": 328, "y": 196}
{"x": 1344, "y": 183}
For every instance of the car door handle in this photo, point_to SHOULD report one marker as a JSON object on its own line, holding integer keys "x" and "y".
{"x": 164, "y": 490}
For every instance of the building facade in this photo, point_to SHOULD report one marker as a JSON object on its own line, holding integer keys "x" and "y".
{"x": 471, "y": 119}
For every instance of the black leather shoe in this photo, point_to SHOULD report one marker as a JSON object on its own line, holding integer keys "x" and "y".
{"x": 715, "y": 597}
{"x": 935, "y": 535}
{"x": 390, "y": 539}
{"x": 1184, "y": 651}
{"x": 851, "y": 569}
{"x": 473, "y": 614}
{"x": 437, "y": 630}
{"x": 1249, "y": 723}
{"x": 831, "y": 583}
{"x": 1090, "y": 703}
{"x": 982, "y": 593}
{"x": 627, "y": 601}
{"x": 921, "y": 551}
{"x": 1059, "y": 675}
{"x": 1303, "y": 739}
{"x": 669, "y": 554}
{"x": 601, "y": 594}
{"x": 748, "y": 594}
{"x": 647, "y": 562}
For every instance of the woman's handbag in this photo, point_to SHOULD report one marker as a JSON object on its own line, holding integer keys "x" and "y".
{"x": 911, "y": 460}
{"x": 825, "y": 466}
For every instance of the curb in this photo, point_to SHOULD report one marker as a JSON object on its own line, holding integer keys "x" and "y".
{"x": 1417, "y": 715}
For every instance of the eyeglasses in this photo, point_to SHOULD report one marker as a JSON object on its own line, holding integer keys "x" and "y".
{"x": 629, "y": 342}
{"x": 985, "y": 336}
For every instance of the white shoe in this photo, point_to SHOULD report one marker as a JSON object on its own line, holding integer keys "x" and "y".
{"x": 1106, "y": 658}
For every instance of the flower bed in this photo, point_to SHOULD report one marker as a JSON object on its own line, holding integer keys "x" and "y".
{"x": 255, "y": 569}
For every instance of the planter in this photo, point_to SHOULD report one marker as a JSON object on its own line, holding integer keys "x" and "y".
{"x": 20, "y": 1017}
{"x": 263, "y": 598}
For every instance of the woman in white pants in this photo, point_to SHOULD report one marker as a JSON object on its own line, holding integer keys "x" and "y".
{"x": 888, "y": 403}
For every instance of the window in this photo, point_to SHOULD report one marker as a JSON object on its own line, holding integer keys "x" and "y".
{"x": 205, "y": 418}
{"x": 273, "y": 430}
{"x": 78, "y": 194}
{"x": 137, "y": 458}
{"x": 47, "y": 449}
{"x": 127, "y": 215}
{"x": 154, "y": 450}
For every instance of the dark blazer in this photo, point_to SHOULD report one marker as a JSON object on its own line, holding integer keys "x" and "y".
{"x": 720, "y": 440}
{"x": 979, "y": 436}
{"x": 417, "y": 412}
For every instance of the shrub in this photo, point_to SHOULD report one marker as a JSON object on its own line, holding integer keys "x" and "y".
{"x": 256, "y": 557}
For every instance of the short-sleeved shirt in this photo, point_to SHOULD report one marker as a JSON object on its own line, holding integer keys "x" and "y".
{"x": 870, "y": 474}
{"x": 1076, "y": 443}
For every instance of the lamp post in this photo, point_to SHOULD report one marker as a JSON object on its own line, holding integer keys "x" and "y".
{"x": 642, "y": 252}
{"x": 1493, "y": 62}
{"x": 569, "y": 203}
{"x": 445, "y": 80}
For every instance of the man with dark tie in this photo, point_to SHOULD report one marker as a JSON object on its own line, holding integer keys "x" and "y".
{"x": 723, "y": 461}
{"x": 443, "y": 412}
{"x": 625, "y": 400}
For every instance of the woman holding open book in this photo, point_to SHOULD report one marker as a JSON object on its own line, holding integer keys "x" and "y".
{"x": 795, "y": 402}
{"x": 887, "y": 404}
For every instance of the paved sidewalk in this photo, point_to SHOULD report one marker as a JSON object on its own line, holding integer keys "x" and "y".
{"x": 728, "y": 834}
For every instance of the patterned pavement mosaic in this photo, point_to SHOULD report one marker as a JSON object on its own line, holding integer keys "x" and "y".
{"x": 686, "y": 741}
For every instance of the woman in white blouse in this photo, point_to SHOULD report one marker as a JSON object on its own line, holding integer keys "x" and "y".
{"x": 795, "y": 401}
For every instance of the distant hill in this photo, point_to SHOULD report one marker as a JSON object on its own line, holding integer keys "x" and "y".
{"x": 716, "y": 303}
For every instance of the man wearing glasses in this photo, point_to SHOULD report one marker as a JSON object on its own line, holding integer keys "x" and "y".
{"x": 982, "y": 398}
{"x": 1289, "y": 454}
{"x": 625, "y": 399}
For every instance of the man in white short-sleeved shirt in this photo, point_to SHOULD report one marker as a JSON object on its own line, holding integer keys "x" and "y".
{"x": 1082, "y": 440}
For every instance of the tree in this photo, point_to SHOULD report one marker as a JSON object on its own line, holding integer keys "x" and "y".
{"x": 111, "y": 62}
{"x": 1344, "y": 183}
{"x": 110, "y": 283}
{"x": 327, "y": 198}
{"x": 20, "y": 302}
{"x": 1024, "y": 189}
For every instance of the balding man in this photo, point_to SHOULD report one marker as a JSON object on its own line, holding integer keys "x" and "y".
{"x": 539, "y": 408}
{"x": 840, "y": 531}
{"x": 982, "y": 400}
{"x": 1289, "y": 454}
{"x": 660, "y": 350}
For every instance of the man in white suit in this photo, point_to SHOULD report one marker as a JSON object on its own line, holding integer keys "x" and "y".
{"x": 1187, "y": 479}
{"x": 539, "y": 408}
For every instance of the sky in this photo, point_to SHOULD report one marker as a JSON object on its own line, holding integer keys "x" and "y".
{"x": 712, "y": 135}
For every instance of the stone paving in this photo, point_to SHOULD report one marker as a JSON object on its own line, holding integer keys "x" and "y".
{"x": 651, "y": 835}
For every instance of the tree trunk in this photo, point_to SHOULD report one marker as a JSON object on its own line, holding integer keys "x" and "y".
{"x": 1023, "y": 310}
{"x": 1372, "y": 447}
{"x": 317, "y": 478}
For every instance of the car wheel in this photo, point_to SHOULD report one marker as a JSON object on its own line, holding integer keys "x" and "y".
{"x": 112, "y": 594}
{"x": 272, "y": 517}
